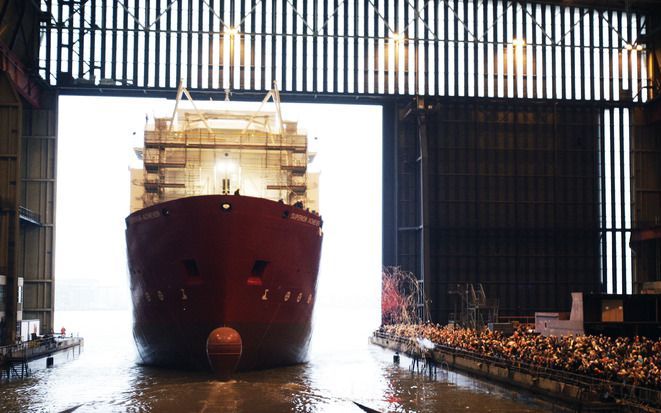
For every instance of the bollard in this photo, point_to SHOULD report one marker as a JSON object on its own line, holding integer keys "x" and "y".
{"x": 395, "y": 358}
{"x": 49, "y": 362}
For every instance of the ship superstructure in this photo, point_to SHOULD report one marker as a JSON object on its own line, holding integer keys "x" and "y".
{"x": 205, "y": 152}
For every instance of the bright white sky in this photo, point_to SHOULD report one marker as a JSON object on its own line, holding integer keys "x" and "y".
{"x": 96, "y": 137}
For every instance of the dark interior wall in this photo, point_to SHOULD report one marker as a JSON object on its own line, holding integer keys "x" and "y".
{"x": 19, "y": 20}
{"x": 646, "y": 161}
{"x": 512, "y": 202}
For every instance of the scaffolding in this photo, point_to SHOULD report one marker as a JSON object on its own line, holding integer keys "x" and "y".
{"x": 204, "y": 152}
{"x": 475, "y": 309}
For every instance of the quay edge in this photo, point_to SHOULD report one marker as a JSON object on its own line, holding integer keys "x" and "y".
{"x": 573, "y": 394}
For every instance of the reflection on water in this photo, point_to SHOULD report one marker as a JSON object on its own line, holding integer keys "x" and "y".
{"x": 343, "y": 368}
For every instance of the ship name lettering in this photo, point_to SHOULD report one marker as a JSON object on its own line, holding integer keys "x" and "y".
{"x": 299, "y": 217}
{"x": 303, "y": 218}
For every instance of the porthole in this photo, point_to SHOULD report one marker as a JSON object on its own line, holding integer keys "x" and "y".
{"x": 226, "y": 206}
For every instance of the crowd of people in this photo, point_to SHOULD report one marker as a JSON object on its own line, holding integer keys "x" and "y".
{"x": 635, "y": 361}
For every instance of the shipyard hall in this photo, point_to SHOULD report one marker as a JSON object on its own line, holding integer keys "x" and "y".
{"x": 330, "y": 205}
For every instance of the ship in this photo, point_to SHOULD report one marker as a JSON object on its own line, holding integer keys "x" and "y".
{"x": 224, "y": 239}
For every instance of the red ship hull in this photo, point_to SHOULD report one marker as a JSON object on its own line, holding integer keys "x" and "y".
{"x": 204, "y": 262}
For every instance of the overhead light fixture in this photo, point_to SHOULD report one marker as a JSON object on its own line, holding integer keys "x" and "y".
{"x": 232, "y": 31}
{"x": 396, "y": 37}
{"x": 518, "y": 42}
{"x": 639, "y": 47}
{"x": 628, "y": 46}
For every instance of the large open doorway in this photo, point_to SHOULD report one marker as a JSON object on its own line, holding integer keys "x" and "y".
{"x": 96, "y": 141}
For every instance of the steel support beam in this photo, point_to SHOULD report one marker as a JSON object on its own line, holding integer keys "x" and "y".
{"x": 25, "y": 84}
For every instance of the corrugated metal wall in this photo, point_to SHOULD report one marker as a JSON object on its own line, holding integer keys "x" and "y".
{"x": 38, "y": 174}
{"x": 512, "y": 202}
{"x": 10, "y": 149}
{"x": 492, "y": 48}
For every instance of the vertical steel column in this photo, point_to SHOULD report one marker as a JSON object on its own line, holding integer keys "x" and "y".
{"x": 622, "y": 201}
{"x": 563, "y": 54}
{"x": 81, "y": 38}
{"x": 402, "y": 40}
{"x": 611, "y": 77}
{"x": 49, "y": 35}
{"x": 476, "y": 66}
{"x": 426, "y": 70}
{"x": 494, "y": 48}
{"x": 526, "y": 46}
{"x": 554, "y": 58}
{"x": 602, "y": 204}
{"x": 232, "y": 33}
{"x": 168, "y": 46}
{"x": 455, "y": 42}
{"x": 242, "y": 47}
{"x": 546, "y": 40}
{"x": 572, "y": 53}
{"x": 178, "y": 75}
{"x": 611, "y": 188}
{"x": 407, "y": 42}
{"x": 189, "y": 44}
{"x": 465, "y": 23}
{"x": 504, "y": 66}
{"x": 383, "y": 60}
{"x": 306, "y": 39}
{"x": 252, "y": 83}
{"x": 630, "y": 54}
{"x": 92, "y": 31}
{"x": 69, "y": 45}
{"x": 390, "y": 182}
{"x": 590, "y": 87}
{"x": 262, "y": 59}
{"x": 333, "y": 66}
{"x": 345, "y": 56}
{"x": 425, "y": 273}
{"x": 324, "y": 65}
{"x": 537, "y": 94}
{"x": 515, "y": 36}
{"x": 210, "y": 41}
{"x": 157, "y": 47}
{"x": 366, "y": 48}
{"x": 315, "y": 26}
{"x": 200, "y": 47}
{"x": 436, "y": 63}
{"x": 283, "y": 40}
{"x": 355, "y": 34}
{"x": 145, "y": 56}
{"x": 295, "y": 38}
{"x": 486, "y": 46}
{"x": 584, "y": 84}
{"x": 274, "y": 25}
{"x": 136, "y": 43}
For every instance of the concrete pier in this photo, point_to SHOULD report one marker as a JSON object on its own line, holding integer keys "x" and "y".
{"x": 14, "y": 359}
{"x": 575, "y": 391}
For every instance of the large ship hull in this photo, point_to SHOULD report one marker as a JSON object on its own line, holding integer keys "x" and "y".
{"x": 201, "y": 263}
